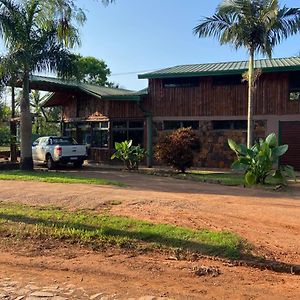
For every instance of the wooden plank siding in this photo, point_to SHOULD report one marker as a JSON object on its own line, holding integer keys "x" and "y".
{"x": 271, "y": 98}
{"x": 90, "y": 108}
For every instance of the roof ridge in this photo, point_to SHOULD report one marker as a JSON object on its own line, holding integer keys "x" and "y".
{"x": 227, "y": 62}
{"x": 225, "y": 68}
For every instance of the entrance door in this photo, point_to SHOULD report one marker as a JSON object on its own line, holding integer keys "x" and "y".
{"x": 290, "y": 135}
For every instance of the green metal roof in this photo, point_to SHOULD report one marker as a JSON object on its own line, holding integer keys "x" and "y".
{"x": 225, "y": 68}
{"x": 52, "y": 84}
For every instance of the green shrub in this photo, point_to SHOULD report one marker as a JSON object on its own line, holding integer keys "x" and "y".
{"x": 258, "y": 162}
{"x": 4, "y": 136}
{"x": 177, "y": 149}
{"x": 130, "y": 155}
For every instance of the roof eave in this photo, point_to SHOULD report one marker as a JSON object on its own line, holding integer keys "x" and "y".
{"x": 134, "y": 98}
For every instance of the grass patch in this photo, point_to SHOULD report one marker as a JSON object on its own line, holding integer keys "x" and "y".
{"x": 4, "y": 148}
{"x": 53, "y": 177}
{"x": 93, "y": 230}
{"x": 224, "y": 178}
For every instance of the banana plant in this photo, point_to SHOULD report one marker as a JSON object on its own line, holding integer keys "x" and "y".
{"x": 258, "y": 162}
{"x": 130, "y": 155}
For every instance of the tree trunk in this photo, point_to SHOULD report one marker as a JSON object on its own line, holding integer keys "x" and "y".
{"x": 250, "y": 101}
{"x": 26, "y": 127}
{"x": 13, "y": 127}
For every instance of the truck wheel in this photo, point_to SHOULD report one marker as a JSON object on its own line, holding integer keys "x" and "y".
{"x": 50, "y": 163}
{"x": 78, "y": 164}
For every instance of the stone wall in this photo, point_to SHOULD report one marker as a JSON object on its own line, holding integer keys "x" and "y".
{"x": 215, "y": 152}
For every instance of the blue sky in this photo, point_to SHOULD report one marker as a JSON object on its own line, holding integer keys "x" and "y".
{"x": 141, "y": 35}
{"x": 134, "y": 36}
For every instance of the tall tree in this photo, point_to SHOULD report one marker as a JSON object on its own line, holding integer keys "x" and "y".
{"x": 34, "y": 43}
{"x": 91, "y": 70}
{"x": 256, "y": 25}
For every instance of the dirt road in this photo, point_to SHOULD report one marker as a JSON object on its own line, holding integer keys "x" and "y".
{"x": 267, "y": 219}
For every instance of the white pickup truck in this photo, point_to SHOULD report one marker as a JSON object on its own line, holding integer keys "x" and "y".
{"x": 54, "y": 150}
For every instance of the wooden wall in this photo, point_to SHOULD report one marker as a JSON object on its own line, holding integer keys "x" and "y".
{"x": 271, "y": 97}
{"x": 86, "y": 107}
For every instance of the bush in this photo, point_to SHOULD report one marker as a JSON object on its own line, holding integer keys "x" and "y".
{"x": 177, "y": 149}
{"x": 130, "y": 155}
{"x": 258, "y": 161}
{"x": 4, "y": 136}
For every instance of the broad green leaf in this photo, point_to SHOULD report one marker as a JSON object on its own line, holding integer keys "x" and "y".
{"x": 280, "y": 150}
{"x": 234, "y": 146}
{"x": 245, "y": 160}
{"x": 250, "y": 178}
{"x": 243, "y": 149}
{"x": 271, "y": 140}
{"x": 238, "y": 166}
{"x": 289, "y": 171}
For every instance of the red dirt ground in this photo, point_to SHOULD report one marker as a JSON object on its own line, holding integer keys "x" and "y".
{"x": 267, "y": 219}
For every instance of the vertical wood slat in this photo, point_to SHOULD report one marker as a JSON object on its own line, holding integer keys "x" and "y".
{"x": 271, "y": 97}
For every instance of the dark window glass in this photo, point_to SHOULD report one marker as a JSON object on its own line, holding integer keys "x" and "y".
{"x": 193, "y": 124}
{"x": 221, "y": 125}
{"x": 119, "y": 136}
{"x": 225, "y": 125}
{"x": 227, "y": 80}
{"x": 104, "y": 125}
{"x": 241, "y": 124}
{"x": 137, "y": 137}
{"x": 171, "y": 125}
{"x": 100, "y": 138}
{"x": 120, "y": 124}
{"x": 181, "y": 82}
{"x": 128, "y": 130}
{"x": 136, "y": 124}
{"x": 62, "y": 141}
{"x": 295, "y": 86}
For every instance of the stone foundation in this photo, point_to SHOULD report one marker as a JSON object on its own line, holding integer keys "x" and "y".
{"x": 215, "y": 152}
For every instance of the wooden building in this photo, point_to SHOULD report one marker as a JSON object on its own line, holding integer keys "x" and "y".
{"x": 210, "y": 98}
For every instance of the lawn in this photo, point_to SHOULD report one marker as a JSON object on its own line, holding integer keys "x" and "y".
{"x": 97, "y": 231}
{"x": 225, "y": 178}
{"x": 54, "y": 177}
{"x": 4, "y": 148}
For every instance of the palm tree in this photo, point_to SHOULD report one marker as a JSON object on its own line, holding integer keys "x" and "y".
{"x": 258, "y": 26}
{"x": 34, "y": 44}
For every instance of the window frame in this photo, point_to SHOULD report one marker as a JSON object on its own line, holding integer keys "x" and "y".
{"x": 128, "y": 128}
{"x": 101, "y": 129}
{"x": 294, "y": 87}
{"x": 180, "y": 82}
{"x": 232, "y": 125}
{"x": 181, "y": 124}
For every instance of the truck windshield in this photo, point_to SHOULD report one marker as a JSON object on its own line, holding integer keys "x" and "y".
{"x": 62, "y": 141}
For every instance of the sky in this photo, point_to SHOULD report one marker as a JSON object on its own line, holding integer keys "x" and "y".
{"x": 134, "y": 36}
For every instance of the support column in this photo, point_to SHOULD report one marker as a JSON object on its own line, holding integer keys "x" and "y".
{"x": 149, "y": 141}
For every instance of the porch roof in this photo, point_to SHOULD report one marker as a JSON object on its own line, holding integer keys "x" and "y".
{"x": 58, "y": 86}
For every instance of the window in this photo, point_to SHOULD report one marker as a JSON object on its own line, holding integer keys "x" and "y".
{"x": 227, "y": 80}
{"x": 180, "y": 82}
{"x": 173, "y": 125}
{"x": 62, "y": 141}
{"x": 295, "y": 86}
{"x": 70, "y": 130}
{"x": 229, "y": 125}
{"x": 100, "y": 135}
{"x": 128, "y": 130}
